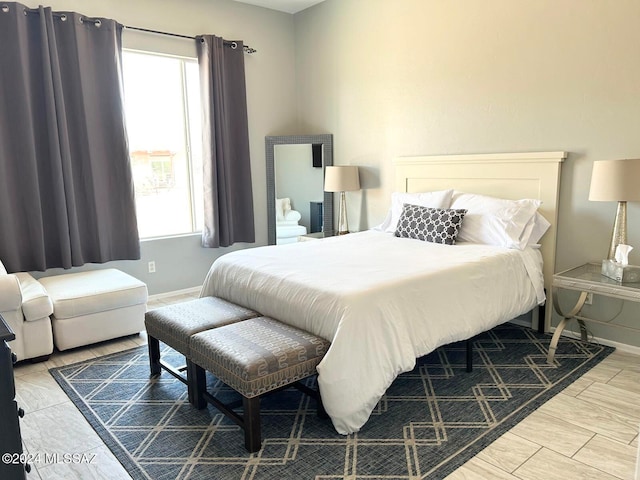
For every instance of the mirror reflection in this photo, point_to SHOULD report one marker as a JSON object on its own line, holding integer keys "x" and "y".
{"x": 299, "y": 192}
{"x": 297, "y": 203}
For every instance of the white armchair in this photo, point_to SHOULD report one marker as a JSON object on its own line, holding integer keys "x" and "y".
{"x": 26, "y": 307}
{"x": 287, "y": 228}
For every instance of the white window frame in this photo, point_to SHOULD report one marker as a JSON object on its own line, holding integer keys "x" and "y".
{"x": 196, "y": 229}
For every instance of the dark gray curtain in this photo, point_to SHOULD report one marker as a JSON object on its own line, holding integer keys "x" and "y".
{"x": 66, "y": 190}
{"x": 228, "y": 196}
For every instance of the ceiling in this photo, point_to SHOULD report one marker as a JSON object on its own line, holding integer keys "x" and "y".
{"x": 288, "y": 6}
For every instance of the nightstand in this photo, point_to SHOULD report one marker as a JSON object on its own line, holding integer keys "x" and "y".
{"x": 587, "y": 279}
{"x": 12, "y": 465}
{"x": 315, "y": 236}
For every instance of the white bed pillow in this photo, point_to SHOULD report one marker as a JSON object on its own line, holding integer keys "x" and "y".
{"x": 385, "y": 223}
{"x": 533, "y": 232}
{"x": 438, "y": 199}
{"x": 494, "y": 221}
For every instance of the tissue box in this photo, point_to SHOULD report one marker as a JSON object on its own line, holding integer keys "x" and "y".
{"x": 619, "y": 272}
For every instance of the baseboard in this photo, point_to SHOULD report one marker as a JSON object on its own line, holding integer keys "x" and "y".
{"x": 159, "y": 296}
{"x": 623, "y": 347}
{"x": 522, "y": 322}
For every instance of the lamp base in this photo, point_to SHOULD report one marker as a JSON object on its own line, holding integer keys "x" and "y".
{"x": 343, "y": 227}
{"x": 619, "y": 234}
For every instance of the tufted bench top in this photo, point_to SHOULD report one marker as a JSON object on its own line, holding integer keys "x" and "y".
{"x": 175, "y": 324}
{"x": 258, "y": 355}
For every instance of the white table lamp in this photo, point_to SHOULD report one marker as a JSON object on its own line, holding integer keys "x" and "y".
{"x": 616, "y": 181}
{"x": 342, "y": 179}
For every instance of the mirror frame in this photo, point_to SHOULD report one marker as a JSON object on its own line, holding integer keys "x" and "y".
{"x": 327, "y": 160}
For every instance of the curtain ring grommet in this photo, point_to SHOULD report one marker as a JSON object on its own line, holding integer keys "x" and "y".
{"x": 234, "y": 45}
{"x": 5, "y": 8}
{"x": 98, "y": 23}
{"x": 63, "y": 18}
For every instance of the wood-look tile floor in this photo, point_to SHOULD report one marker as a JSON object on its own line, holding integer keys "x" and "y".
{"x": 588, "y": 431}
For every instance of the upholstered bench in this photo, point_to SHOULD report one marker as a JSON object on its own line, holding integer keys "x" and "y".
{"x": 254, "y": 357}
{"x": 175, "y": 324}
{"x": 94, "y": 306}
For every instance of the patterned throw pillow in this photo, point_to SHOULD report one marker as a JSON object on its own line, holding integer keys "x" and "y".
{"x": 436, "y": 225}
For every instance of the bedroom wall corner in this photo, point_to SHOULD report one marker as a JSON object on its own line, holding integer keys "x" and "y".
{"x": 424, "y": 77}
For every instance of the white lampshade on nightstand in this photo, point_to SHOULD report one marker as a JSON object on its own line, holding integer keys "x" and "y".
{"x": 616, "y": 181}
{"x": 342, "y": 179}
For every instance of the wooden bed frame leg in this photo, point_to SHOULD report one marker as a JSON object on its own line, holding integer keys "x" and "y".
{"x": 469, "y": 354}
{"x": 196, "y": 385}
{"x": 154, "y": 355}
{"x": 252, "y": 433}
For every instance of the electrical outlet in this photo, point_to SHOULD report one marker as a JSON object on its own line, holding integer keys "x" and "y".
{"x": 152, "y": 267}
{"x": 589, "y": 299}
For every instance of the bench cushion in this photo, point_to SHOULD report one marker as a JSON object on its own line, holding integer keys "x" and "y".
{"x": 86, "y": 293}
{"x": 174, "y": 324}
{"x": 258, "y": 355}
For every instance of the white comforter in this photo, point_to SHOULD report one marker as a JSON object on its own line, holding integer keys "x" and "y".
{"x": 382, "y": 301}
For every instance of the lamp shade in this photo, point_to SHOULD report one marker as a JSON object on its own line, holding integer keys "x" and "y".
{"x": 341, "y": 179}
{"x": 615, "y": 181}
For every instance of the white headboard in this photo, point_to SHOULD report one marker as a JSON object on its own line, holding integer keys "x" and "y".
{"x": 503, "y": 175}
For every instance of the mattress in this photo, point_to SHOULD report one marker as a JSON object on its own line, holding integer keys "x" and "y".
{"x": 381, "y": 301}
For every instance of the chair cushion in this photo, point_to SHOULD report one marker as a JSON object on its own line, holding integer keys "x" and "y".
{"x": 283, "y": 205}
{"x": 36, "y": 303}
{"x": 290, "y": 231}
{"x": 174, "y": 324}
{"x": 84, "y": 293}
{"x": 258, "y": 355}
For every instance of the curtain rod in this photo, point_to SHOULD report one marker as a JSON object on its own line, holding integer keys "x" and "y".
{"x": 96, "y": 21}
{"x": 246, "y": 48}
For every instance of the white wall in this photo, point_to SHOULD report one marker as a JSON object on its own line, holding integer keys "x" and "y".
{"x": 426, "y": 77}
{"x": 270, "y": 78}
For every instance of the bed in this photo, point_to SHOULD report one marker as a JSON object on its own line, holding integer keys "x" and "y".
{"x": 384, "y": 301}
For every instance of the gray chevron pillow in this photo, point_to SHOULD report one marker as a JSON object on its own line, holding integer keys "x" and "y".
{"x": 435, "y": 225}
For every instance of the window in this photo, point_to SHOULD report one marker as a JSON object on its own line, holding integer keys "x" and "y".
{"x": 162, "y": 104}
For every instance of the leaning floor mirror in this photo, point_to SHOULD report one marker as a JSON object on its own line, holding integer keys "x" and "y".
{"x": 297, "y": 204}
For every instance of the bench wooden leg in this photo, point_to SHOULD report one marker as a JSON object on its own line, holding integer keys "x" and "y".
{"x": 469, "y": 355}
{"x": 154, "y": 355}
{"x": 251, "y": 416}
{"x": 196, "y": 385}
{"x": 321, "y": 412}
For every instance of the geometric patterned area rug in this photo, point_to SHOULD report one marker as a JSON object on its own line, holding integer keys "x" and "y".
{"x": 431, "y": 420}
